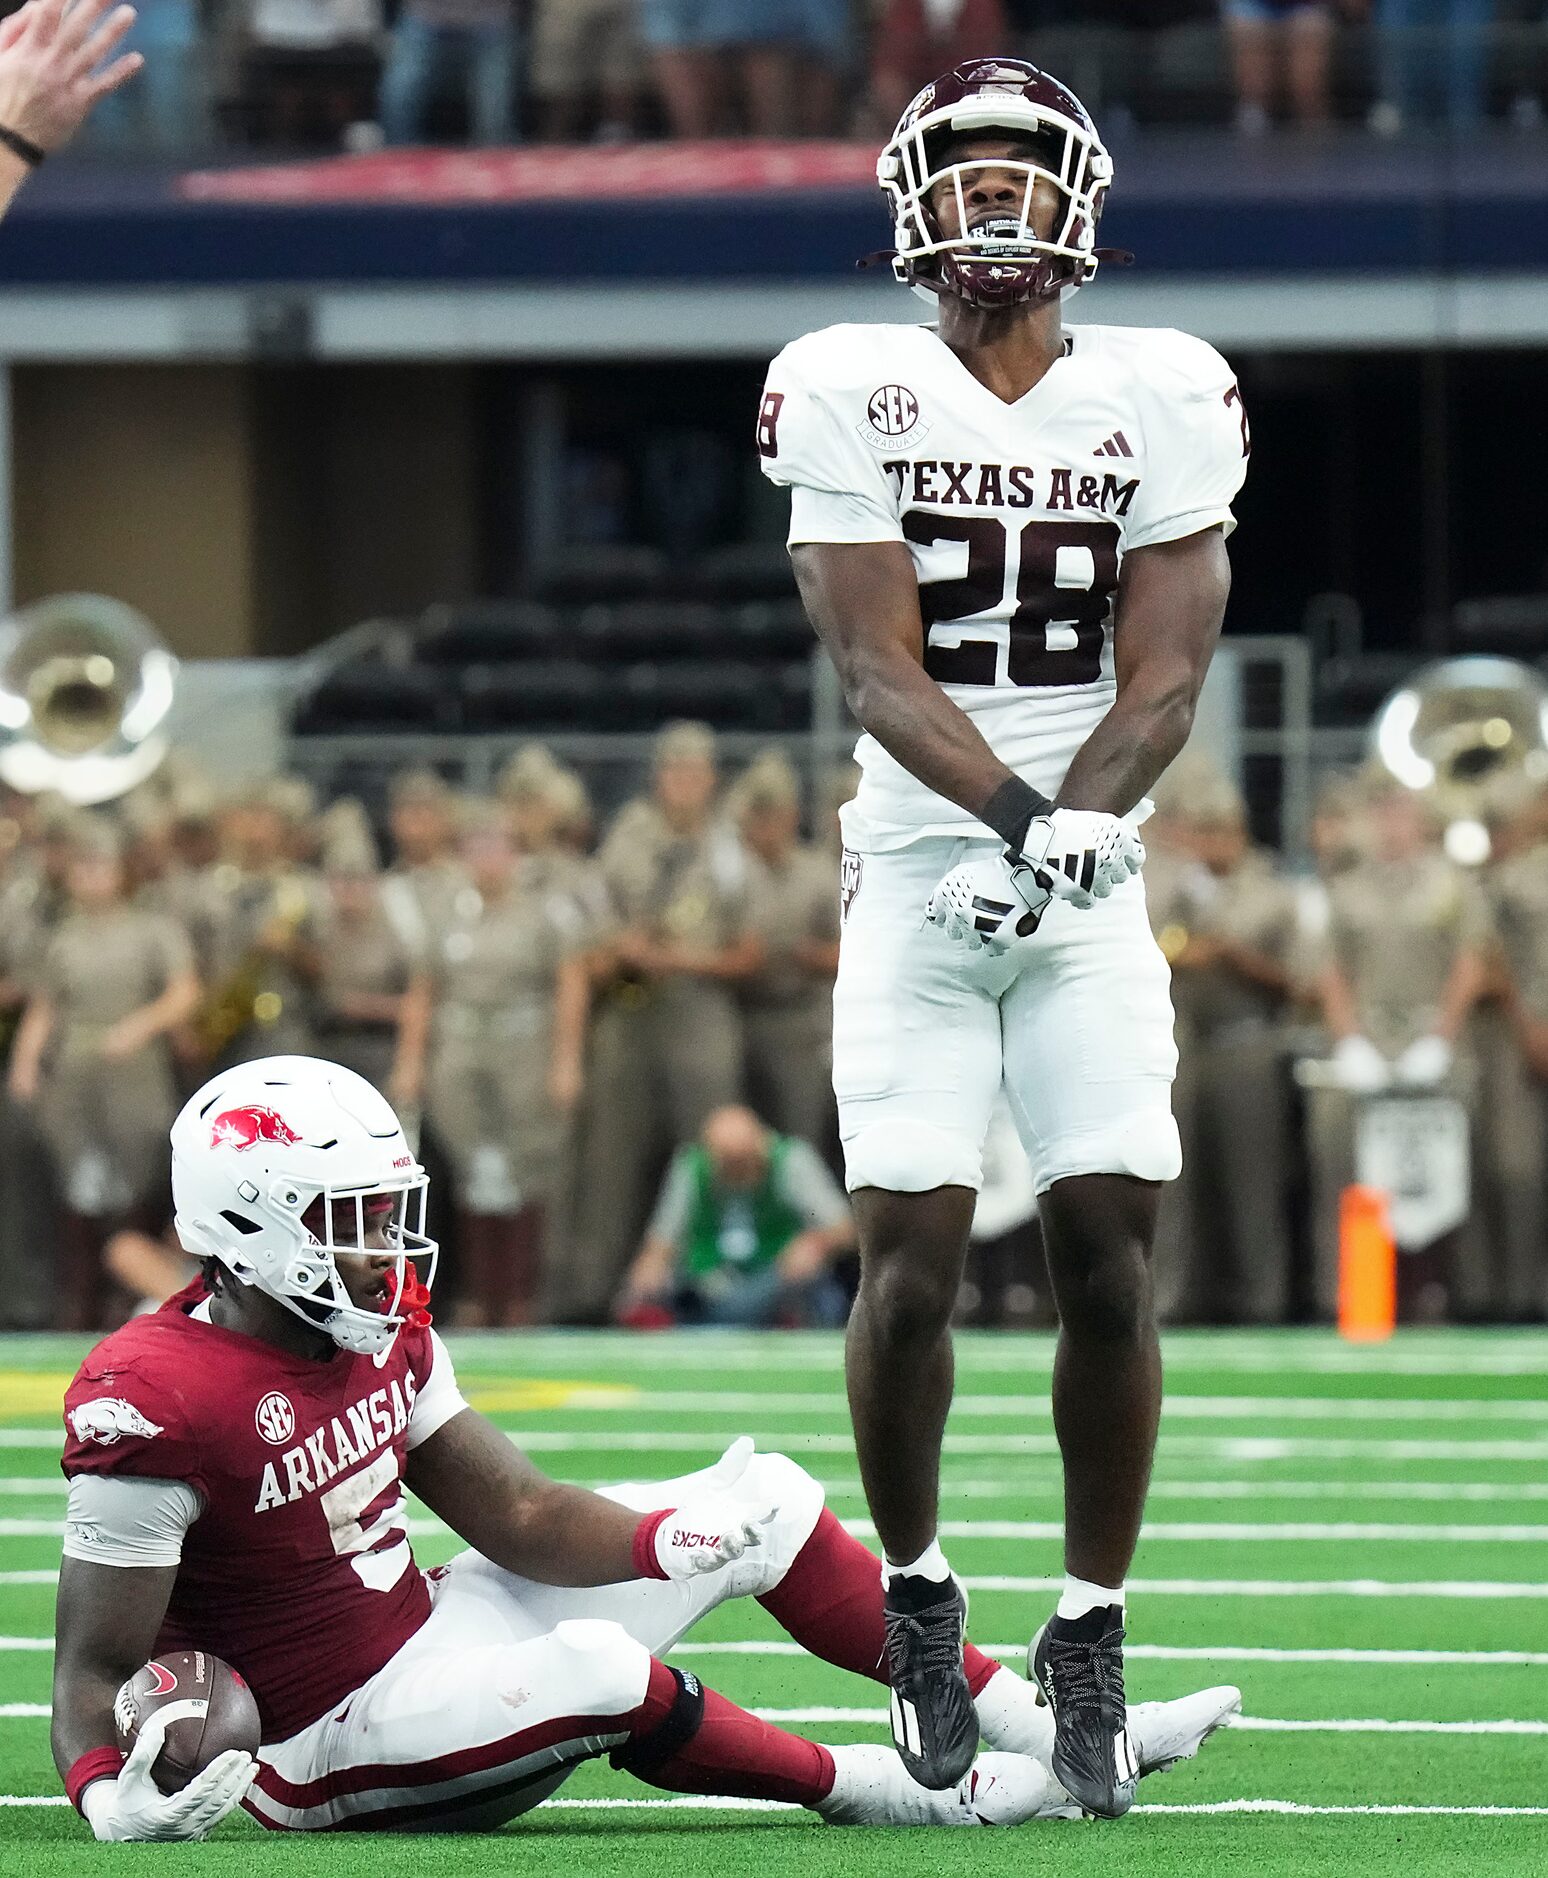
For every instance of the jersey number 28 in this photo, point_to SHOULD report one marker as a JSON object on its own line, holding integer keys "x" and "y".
{"x": 1066, "y": 574}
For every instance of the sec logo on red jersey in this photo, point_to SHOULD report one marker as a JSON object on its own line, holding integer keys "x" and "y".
{"x": 275, "y": 1419}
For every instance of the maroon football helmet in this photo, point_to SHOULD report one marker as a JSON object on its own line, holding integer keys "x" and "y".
{"x": 1000, "y": 259}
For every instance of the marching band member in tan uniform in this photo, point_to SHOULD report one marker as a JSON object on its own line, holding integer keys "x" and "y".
{"x": 793, "y": 913}
{"x": 1226, "y": 918}
{"x": 265, "y": 920}
{"x": 114, "y": 981}
{"x": 1402, "y": 967}
{"x": 1512, "y": 1044}
{"x": 367, "y": 960}
{"x": 426, "y": 872}
{"x": 507, "y": 993}
{"x": 666, "y": 1044}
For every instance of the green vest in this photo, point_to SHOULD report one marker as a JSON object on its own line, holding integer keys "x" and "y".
{"x": 742, "y": 1232}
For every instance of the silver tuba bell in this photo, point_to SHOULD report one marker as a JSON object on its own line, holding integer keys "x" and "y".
{"x": 86, "y": 686}
{"x": 1458, "y": 730}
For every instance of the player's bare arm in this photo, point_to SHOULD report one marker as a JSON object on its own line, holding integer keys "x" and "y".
{"x": 106, "y": 1620}
{"x": 1171, "y": 603}
{"x": 56, "y": 63}
{"x": 863, "y": 601}
{"x": 490, "y": 1494}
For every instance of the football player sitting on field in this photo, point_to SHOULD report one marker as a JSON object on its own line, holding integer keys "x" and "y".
{"x": 237, "y": 1465}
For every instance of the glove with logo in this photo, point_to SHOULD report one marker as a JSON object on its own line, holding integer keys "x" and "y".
{"x": 991, "y": 901}
{"x": 1082, "y": 854}
{"x": 712, "y": 1528}
{"x": 133, "y": 1807}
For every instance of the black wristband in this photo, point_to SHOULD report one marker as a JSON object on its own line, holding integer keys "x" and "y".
{"x": 21, "y": 146}
{"x": 1011, "y": 810}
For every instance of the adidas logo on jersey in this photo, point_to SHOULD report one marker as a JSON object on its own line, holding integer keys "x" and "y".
{"x": 1116, "y": 445}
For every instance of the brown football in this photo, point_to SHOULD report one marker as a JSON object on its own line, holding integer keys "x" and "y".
{"x": 212, "y": 1709}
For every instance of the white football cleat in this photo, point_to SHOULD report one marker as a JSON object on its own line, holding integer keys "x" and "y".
{"x": 872, "y": 1788}
{"x": 1165, "y": 1733}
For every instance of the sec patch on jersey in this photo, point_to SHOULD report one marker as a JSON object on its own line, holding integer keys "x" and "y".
{"x": 207, "y": 1706}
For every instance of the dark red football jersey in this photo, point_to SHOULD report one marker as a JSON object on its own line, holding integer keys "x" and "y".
{"x": 298, "y": 1572}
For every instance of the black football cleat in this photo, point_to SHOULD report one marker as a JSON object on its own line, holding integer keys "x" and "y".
{"x": 934, "y": 1722}
{"x": 1077, "y": 1663}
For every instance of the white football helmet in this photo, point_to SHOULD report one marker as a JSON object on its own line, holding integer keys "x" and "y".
{"x": 257, "y": 1146}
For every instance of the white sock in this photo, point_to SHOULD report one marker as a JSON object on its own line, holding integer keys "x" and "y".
{"x": 931, "y": 1563}
{"x": 1080, "y": 1596}
{"x": 1011, "y": 1717}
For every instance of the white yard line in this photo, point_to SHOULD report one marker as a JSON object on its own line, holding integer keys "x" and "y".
{"x": 1245, "y": 1448}
{"x": 691, "y": 1803}
{"x": 877, "y": 1717}
{"x": 1134, "y": 1652}
{"x": 1190, "y": 1653}
{"x": 1276, "y": 1408}
{"x": 801, "y": 1443}
{"x": 1190, "y": 1531}
{"x": 1442, "y": 1588}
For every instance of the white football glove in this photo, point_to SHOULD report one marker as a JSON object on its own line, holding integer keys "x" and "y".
{"x": 1426, "y": 1062}
{"x": 1082, "y": 854}
{"x": 1360, "y": 1067}
{"x": 712, "y": 1530}
{"x": 134, "y": 1807}
{"x": 991, "y": 901}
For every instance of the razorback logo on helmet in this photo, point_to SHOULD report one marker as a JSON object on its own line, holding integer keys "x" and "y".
{"x": 109, "y": 1419}
{"x": 245, "y": 1127}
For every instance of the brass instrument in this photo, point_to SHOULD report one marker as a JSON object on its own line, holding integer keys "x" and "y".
{"x": 86, "y": 687}
{"x": 242, "y": 999}
{"x": 1457, "y": 731}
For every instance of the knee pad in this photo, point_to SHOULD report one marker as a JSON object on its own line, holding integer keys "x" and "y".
{"x": 911, "y": 1157}
{"x": 607, "y": 1668}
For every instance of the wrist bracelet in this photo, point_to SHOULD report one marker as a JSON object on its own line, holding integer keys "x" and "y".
{"x": 29, "y": 152}
{"x": 1011, "y": 810}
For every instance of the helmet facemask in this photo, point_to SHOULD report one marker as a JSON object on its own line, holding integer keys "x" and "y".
{"x": 354, "y": 1222}
{"x": 1006, "y": 260}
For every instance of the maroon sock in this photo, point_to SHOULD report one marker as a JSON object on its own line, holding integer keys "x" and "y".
{"x": 830, "y": 1601}
{"x": 730, "y": 1752}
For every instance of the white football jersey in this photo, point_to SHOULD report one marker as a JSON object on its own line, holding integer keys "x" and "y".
{"x": 1017, "y": 517}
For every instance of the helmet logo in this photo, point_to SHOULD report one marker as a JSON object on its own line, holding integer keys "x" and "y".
{"x": 246, "y": 1127}
{"x": 275, "y": 1419}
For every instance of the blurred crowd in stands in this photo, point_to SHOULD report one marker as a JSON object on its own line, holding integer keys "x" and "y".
{"x": 321, "y": 73}
{"x": 613, "y": 1048}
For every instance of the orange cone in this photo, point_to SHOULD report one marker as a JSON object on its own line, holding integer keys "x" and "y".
{"x": 1367, "y": 1266}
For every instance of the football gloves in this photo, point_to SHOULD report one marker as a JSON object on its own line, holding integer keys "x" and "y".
{"x": 989, "y": 902}
{"x": 717, "y": 1524}
{"x": 1083, "y": 853}
{"x": 1076, "y": 855}
{"x": 133, "y": 1807}
{"x": 1359, "y": 1067}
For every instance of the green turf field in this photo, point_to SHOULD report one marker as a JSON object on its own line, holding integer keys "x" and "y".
{"x": 1358, "y": 1537}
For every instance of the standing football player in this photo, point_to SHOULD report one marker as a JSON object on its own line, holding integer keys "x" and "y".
{"x": 237, "y": 1464}
{"x": 1011, "y": 538}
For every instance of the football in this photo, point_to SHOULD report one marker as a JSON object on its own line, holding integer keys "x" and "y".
{"x": 209, "y": 1708}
